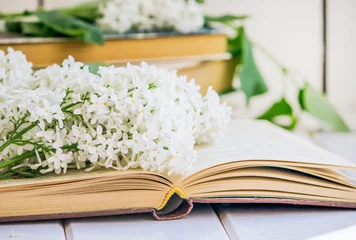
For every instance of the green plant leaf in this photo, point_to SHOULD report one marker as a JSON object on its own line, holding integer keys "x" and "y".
{"x": 315, "y": 103}
{"x": 11, "y": 16}
{"x": 36, "y": 29}
{"x": 301, "y": 98}
{"x": 71, "y": 26}
{"x": 278, "y": 109}
{"x": 94, "y": 67}
{"x": 224, "y": 18}
{"x": 235, "y": 44}
{"x": 13, "y": 26}
{"x": 252, "y": 82}
{"x": 88, "y": 11}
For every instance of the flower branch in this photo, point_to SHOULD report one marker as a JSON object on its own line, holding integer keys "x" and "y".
{"x": 129, "y": 117}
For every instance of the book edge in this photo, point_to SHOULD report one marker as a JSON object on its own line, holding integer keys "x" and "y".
{"x": 15, "y": 38}
{"x": 183, "y": 210}
{"x": 287, "y": 201}
{"x": 75, "y": 215}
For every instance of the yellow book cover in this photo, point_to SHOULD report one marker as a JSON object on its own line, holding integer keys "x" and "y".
{"x": 127, "y": 47}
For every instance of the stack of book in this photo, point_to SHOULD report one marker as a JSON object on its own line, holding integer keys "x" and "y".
{"x": 201, "y": 55}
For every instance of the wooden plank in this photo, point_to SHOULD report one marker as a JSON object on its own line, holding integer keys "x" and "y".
{"x": 341, "y": 55}
{"x": 17, "y": 5}
{"x": 32, "y": 230}
{"x": 288, "y": 30}
{"x": 305, "y": 136}
{"x": 342, "y": 144}
{"x": 53, "y": 4}
{"x": 347, "y": 233}
{"x": 255, "y": 222}
{"x": 260, "y": 222}
{"x": 201, "y": 223}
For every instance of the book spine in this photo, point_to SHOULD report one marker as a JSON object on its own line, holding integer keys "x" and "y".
{"x": 176, "y": 190}
{"x": 122, "y": 49}
{"x": 74, "y": 215}
{"x": 182, "y": 210}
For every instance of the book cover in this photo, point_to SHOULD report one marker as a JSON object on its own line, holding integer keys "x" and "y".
{"x": 117, "y": 47}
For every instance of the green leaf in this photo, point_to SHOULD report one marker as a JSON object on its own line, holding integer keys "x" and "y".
{"x": 278, "y": 109}
{"x": 235, "y": 44}
{"x": 71, "y": 26}
{"x": 11, "y": 16}
{"x": 301, "y": 99}
{"x": 224, "y": 18}
{"x": 13, "y": 26}
{"x": 36, "y": 29}
{"x": 7, "y": 175}
{"x": 94, "y": 67}
{"x": 88, "y": 11}
{"x": 315, "y": 103}
{"x": 252, "y": 82}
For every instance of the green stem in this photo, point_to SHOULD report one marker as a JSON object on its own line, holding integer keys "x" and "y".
{"x": 26, "y": 174}
{"x": 22, "y": 132}
{"x": 269, "y": 55}
{"x": 70, "y": 105}
{"x": 18, "y": 124}
{"x": 37, "y": 145}
{"x": 17, "y": 159}
{"x": 22, "y": 157}
{"x": 22, "y": 172}
{"x": 25, "y": 130}
{"x": 7, "y": 175}
{"x": 296, "y": 72}
{"x": 87, "y": 11}
{"x": 68, "y": 147}
{"x": 15, "y": 15}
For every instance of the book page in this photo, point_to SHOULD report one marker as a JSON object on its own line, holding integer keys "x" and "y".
{"x": 77, "y": 175}
{"x": 261, "y": 140}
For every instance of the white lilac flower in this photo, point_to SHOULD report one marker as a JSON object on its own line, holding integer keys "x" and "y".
{"x": 14, "y": 66}
{"x": 142, "y": 15}
{"x": 59, "y": 160}
{"x": 126, "y": 117}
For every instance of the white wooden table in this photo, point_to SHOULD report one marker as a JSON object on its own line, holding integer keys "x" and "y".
{"x": 242, "y": 222}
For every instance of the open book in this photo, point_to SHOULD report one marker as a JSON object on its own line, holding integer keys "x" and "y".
{"x": 254, "y": 162}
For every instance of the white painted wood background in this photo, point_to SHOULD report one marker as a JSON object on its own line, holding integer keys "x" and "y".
{"x": 292, "y": 31}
